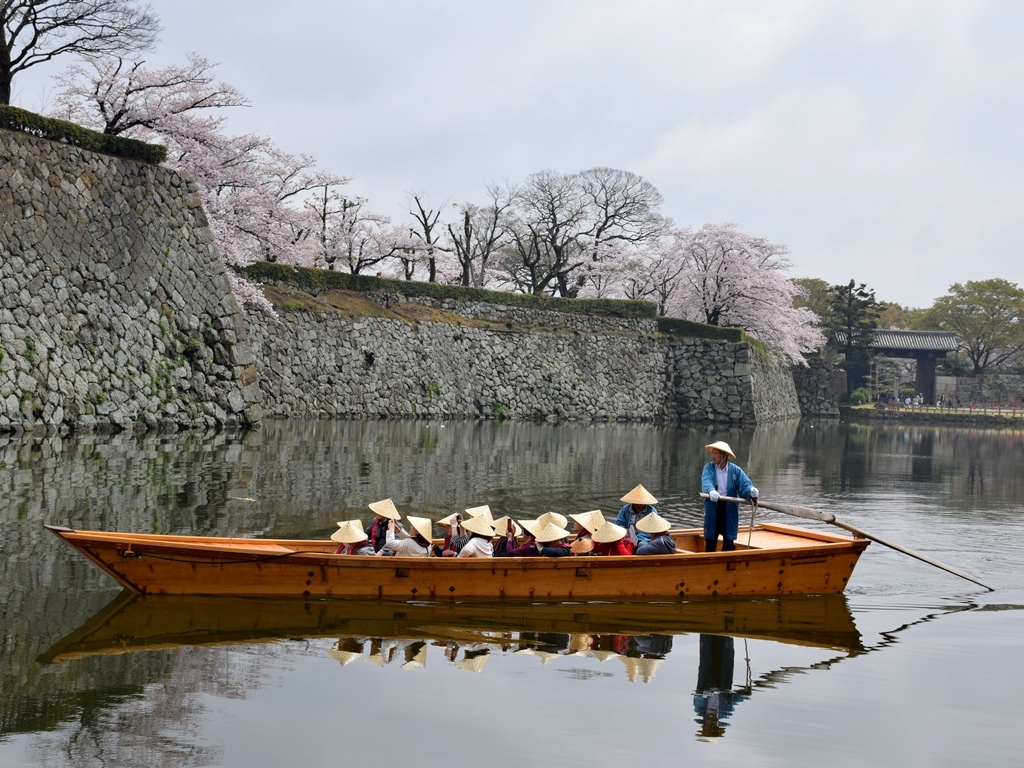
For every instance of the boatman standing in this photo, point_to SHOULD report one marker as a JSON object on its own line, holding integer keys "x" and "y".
{"x": 721, "y": 477}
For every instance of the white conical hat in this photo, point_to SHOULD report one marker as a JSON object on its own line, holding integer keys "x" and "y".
{"x": 723, "y": 447}
{"x": 475, "y": 663}
{"x": 385, "y": 508}
{"x": 609, "y": 532}
{"x": 639, "y": 495}
{"x": 424, "y": 527}
{"x": 418, "y": 660}
{"x": 481, "y": 510}
{"x": 653, "y": 523}
{"x": 648, "y": 668}
{"x": 553, "y": 517}
{"x": 591, "y": 520}
{"x": 343, "y": 657}
{"x": 501, "y": 526}
{"x": 479, "y": 525}
{"x": 549, "y": 532}
{"x": 349, "y": 532}
{"x": 448, "y": 521}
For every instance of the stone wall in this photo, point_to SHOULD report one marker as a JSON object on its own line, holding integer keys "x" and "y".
{"x": 116, "y": 313}
{"x": 115, "y": 309}
{"x": 817, "y": 386}
{"x": 319, "y": 362}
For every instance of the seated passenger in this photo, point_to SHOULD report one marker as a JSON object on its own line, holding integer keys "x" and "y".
{"x": 661, "y": 543}
{"x": 639, "y": 504}
{"x": 481, "y": 533}
{"x": 378, "y": 530}
{"x": 611, "y": 539}
{"x": 506, "y": 532}
{"x": 351, "y": 539}
{"x": 550, "y": 540}
{"x": 586, "y": 524}
{"x": 553, "y": 517}
{"x": 455, "y": 537}
{"x": 413, "y": 544}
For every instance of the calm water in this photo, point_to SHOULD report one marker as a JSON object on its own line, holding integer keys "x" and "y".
{"x": 912, "y": 666}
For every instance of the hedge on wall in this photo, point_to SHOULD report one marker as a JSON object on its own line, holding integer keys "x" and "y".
{"x": 15, "y": 119}
{"x": 679, "y": 327}
{"x": 322, "y": 279}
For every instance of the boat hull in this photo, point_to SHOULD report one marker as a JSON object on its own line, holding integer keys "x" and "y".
{"x": 782, "y": 560}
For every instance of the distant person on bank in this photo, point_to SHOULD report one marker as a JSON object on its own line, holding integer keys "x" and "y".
{"x": 721, "y": 477}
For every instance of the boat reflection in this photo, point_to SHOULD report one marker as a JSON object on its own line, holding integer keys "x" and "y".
{"x": 626, "y": 639}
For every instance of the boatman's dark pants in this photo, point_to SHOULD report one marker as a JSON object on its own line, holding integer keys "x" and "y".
{"x": 728, "y": 545}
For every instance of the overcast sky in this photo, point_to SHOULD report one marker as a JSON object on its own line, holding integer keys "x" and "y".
{"x": 879, "y": 141}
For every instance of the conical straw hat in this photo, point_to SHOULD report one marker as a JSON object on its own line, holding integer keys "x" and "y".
{"x": 603, "y": 655}
{"x": 424, "y": 527}
{"x": 553, "y": 517}
{"x": 653, "y": 523}
{"x": 723, "y": 447}
{"x": 501, "y": 526}
{"x": 609, "y": 532}
{"x": 385, "y": 508}
{"x": 349, "y": 532}
{"x": 417, "y": 661}
{"x": 448, "y": 521}
{"x": 591, "y": 520}
{"x": 631, "y": 669}
{"x": 582, "y": 546}
{"x": 648, "y": 668}
{"x": 343, "y": 657}
{"x": 549, "y": 532}
{"x": 481, "y": 510}
{"x": 639, "y": 495}
{"x": 479, "y": 525}
{"x": 475, "y": 663}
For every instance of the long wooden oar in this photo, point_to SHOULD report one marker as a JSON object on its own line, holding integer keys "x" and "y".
{"x": 828, "y": 517}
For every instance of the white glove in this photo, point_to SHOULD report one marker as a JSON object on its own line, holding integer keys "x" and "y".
{"x": 713, "y": 496}
{"x": 753, "y": 492}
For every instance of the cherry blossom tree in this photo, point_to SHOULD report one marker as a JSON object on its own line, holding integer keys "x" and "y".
{"x": 252, "y": 191}
{"x": 734, "y": 279}
{"x": 37, "y": 31}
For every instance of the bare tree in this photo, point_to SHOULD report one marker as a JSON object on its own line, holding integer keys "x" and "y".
{"x": 426, "y": 230}
{"x": 35, "y": 31}
{"x": 478, "y": 235}
{"x": 565, "y": 222}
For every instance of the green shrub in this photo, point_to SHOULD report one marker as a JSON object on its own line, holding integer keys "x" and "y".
{"x": 14, "y": 119}
{"x": 860, "y": 396}
{"x": 675, "y": 326}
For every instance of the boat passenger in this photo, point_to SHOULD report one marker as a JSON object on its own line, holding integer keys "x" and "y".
{"x": 416, "y": 543}
{"x": 721, "y": 477}
{"x": 517, "y": 542}
{"x": 639, "y": 504}
{"x": 661, "y": 542}
{"x": 454, "y": 539}
{"x": 378, "y": 530}
{"x": 481, "y": 533}
{"x": 351, "y": 538}
{"x": 506, "y": 535}
{"x": 555, "y": 518}
{"x": 544, "y": 540}
{"x": 585, "y": 525}
{"x": 611, "y": 539}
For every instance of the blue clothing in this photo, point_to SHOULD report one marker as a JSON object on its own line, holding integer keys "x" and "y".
{"x": 663, "y": 545}
{"x": 625, "y": 517}
{"x": 738, "y": 485}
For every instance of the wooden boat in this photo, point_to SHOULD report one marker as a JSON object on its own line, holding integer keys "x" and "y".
{"x": 780, "y": 560}
{"x": 133, "y": 622}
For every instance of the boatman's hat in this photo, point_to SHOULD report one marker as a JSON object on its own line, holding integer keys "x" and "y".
{"x": 723, "y": 447}
{"x": 639, "y": 495}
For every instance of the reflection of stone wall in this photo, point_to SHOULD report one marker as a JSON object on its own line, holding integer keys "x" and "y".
{"x": 114, "y": 306}
{"x": 999, "y": 388}
{"x": 320, "y": 363}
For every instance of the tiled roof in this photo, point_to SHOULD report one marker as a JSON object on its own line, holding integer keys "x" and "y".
{"x": 911, "y": 341}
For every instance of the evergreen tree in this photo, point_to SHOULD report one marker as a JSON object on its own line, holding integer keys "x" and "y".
{"x": 850, "y": 323}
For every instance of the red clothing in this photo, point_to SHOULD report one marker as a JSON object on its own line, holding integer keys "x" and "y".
{"x": 618, "y": 548}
